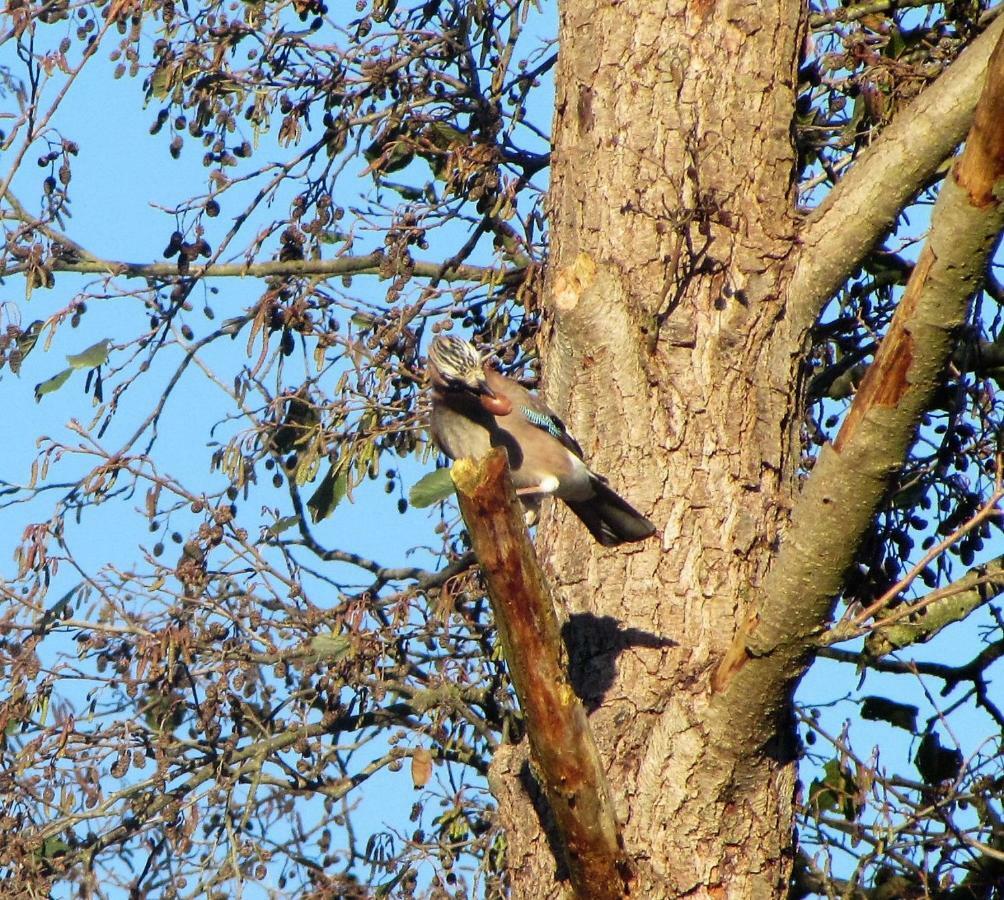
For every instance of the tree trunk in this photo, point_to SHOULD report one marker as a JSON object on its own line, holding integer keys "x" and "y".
{"x": 670, "y": 358}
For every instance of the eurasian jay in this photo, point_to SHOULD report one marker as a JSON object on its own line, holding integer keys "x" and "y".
{"x": 474, "y": 408}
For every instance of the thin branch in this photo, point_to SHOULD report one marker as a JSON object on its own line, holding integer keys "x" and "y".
{"x": 929, "y": 617}
{"x": 985, "y": 511}
{"x": 860, "y": 10}
{"x": 367, "y": 264}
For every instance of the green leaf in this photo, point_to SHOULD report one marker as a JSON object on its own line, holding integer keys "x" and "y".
{"x": 332, "y": 236}
{"x": 443, "y": 135}
{"x": 399, "y": 158}
{"x": 853, "y": 124}
{"x": 405, "y": 190}
{"x": 307, "y": 466}
{"x": 897, "y": 43}
{"x": 51, "y": 384}
{"x": 384, "y": 890}
{"x": 161, "y": 82}
{"x": 282, "y": 524}
{"x": 331, "y": 647}
{"x": 431, "y": 488}
{"x": 25, "y": 342}
{"x": 902, "y": 715}
{"x": 836, "y": 791}
{"x": 93, "y": 356}
{"x": 52, "y": 847}
{"x": 329, "y": 493}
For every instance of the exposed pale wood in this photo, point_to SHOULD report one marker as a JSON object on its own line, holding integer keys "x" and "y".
{"x": 566, "y": 761}
{"x": 982, "y": 164}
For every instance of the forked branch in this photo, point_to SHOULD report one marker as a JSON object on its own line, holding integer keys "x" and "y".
{"x": 850, "y": 478}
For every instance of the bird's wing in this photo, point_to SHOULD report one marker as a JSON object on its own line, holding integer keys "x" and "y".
{"x": 534, "y": 410}
{"x": 541, "y": 417}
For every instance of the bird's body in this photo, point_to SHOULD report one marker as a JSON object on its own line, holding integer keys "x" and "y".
{"x": 474, "y": 408}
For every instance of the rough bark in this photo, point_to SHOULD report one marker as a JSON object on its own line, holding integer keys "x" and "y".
{"x": 672, "y": 217}
{"x": 673, "y": 247}
{"x": 850, "y": 477}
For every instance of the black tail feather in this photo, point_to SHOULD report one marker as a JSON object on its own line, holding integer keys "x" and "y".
{"x": 610, "y": 518}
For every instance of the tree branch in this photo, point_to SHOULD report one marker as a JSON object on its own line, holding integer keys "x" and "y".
{"x": 952, "y": 604}
{"x": 567, "y": 761}
{"x": 865, "y": 202}
{"x": 859, "y": 10}
{"x": 850, "y": 477}
{"x": 984, "y": 359}
{"x": 367, "y": 264}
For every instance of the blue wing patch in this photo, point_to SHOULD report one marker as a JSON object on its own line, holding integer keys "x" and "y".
{"x": 550, "y": 424}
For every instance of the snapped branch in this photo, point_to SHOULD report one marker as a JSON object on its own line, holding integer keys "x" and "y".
{"x": 567, "y": 761}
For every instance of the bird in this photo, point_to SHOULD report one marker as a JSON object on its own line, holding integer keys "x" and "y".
{"x": 475, "y": 408}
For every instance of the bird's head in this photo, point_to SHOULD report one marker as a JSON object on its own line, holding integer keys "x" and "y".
{"x": 455, "y": 365}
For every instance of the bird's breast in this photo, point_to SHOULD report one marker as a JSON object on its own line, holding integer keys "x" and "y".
{"x": 457, "y": 435}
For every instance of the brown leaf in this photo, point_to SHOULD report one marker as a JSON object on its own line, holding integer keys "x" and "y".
{"x": 421, "y": 767}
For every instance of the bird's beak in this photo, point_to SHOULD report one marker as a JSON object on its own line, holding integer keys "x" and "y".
{"x": 483, "y": 390}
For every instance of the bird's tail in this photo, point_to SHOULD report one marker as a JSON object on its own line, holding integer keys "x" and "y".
{"x": 610, "y": 518}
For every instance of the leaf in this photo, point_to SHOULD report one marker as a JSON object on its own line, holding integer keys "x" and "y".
{"x": 162, "y": 81}
{"x": 331, "y": 647}
{"x": 332, "y": 236}
{"x": 51, "y": 384}
{"x": 405, "y": 190}
{"x": 851, "y": 127}
{"x": 836, "y": 791}
{"x": 282, "y": 524}
{"x": 443, "y": 135}
{"x": 93, "y": 356}
{"x": 935, "y": 763}
{"x": 298, "y": 424}
{"x": 329, "y": 493}
{"x": 431, "y": 488}
{"x": 897, "y": 43}
{"x": 391, "y": 152}
{"x": 384, "y": 890}
{"x": 307, "y": 465}
{"x": 52, "y": 847}
{"x": 902, "y": 715}
{"x": 56, "y": 611}
{"x": 25, "y": 343}
{"x": 421, "y": 767}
